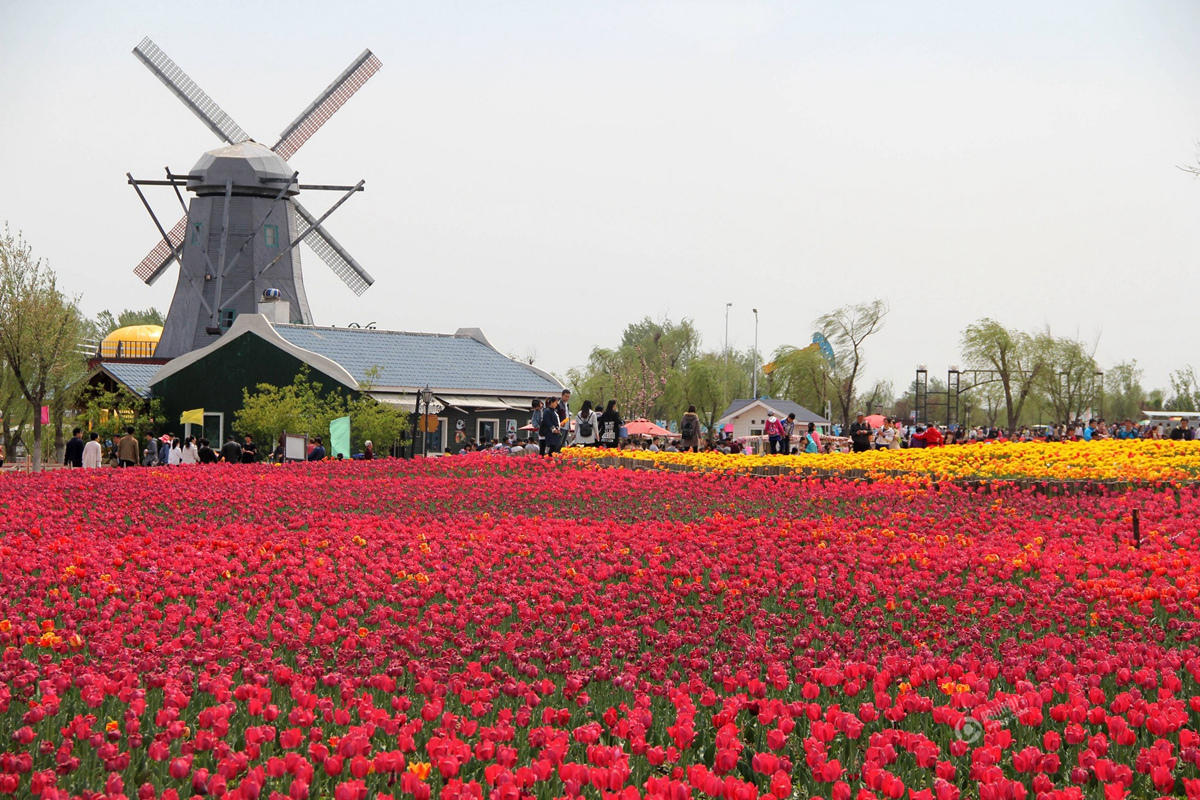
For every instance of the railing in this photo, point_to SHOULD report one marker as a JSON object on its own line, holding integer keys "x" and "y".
{"x": 132, "y": 349}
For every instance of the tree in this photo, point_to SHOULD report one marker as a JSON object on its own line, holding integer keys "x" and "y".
{"x": 39, "y": 328}
{"x": 1124, "y": 396}
{"x": 305, "y": 407}
{"x": 1068, "y": 380}
{"x": 712, "y": 381}
{"x": 645, "y": 373}
{"x": 847, "y": 328}
{"x": 1013, "y": 355}
{"x": 106, "y": 323}
{"x": 1185, "y": 390}
{"x": 799, "y": 374}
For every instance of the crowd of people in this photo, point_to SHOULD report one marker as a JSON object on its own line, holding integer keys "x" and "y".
{"x": 169, "y": 450}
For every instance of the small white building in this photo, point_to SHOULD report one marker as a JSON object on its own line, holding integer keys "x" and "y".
{"x": 748, "y": 416}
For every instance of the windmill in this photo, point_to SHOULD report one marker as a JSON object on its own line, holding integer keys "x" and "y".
{"x": 236, "y": 243}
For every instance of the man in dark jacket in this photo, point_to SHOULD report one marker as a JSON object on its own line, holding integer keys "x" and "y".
{"x": 73, "y": 457}
{"x": 231, "y": 451}
{"x": 860, "y": 434}
{"x": 549, "y": 431}
{"x": 318, "y": 451}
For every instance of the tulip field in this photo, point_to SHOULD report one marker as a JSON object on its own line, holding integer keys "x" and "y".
{"x": 511, "y": 628}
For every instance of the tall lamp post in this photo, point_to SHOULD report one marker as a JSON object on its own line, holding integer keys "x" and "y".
{"x": 426, "y": 398}
{"x": 725, "y": 373}
{"x": 754, "y": 375}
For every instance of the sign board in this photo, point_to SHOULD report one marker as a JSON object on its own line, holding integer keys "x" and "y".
{"x": 295, "y": 447}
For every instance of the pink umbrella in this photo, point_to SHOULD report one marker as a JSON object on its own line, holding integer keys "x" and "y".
{"x": 644, "y": 427}
{"x": 875, "y": 420}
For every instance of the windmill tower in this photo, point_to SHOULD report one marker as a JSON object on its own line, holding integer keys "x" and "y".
{"x": 236, "y": 243}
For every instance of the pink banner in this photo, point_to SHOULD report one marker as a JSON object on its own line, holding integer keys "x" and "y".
{"x": 45, "y": 415}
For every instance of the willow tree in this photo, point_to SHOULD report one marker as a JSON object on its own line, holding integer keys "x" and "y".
{"x": 847, "y": 329}
{"x": 1017, "y": 359}
{"x": 39, "y": 328}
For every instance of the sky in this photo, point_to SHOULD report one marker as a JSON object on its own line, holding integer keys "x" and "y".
{"x": 550, "y": 172}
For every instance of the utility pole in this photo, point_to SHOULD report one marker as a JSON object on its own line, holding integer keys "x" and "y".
{"x": 754, "y": 375}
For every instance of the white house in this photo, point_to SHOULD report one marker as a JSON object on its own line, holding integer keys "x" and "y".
{"x": 748, "y": 416}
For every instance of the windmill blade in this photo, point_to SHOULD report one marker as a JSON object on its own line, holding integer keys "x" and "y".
{"x": 329, "y": 101}
{"x": 332, "y": 253}
{"x": 186, "y": 90}
{"x": 157, "y": 260}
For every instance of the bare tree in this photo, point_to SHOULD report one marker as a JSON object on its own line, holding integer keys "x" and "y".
{"x": 38, "y": 328}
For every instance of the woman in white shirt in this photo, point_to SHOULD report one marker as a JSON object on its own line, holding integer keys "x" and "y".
{"x": 587, "y": 424}
{"x": 190, "y": 455}
{"x": 175, "y": 454}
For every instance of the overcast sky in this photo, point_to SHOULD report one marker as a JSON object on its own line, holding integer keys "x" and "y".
{"x": 551, "y": 171}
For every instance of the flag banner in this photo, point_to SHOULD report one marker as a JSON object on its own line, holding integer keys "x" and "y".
{"x": 195, "y": 417}
{"x": 339, "y": 437}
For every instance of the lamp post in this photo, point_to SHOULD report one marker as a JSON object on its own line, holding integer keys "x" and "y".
{"x": 426, "y": 398}
{"x": 727, "y": 307}
{"x": 725, "y": 373}
{"x": 754, "y": 375}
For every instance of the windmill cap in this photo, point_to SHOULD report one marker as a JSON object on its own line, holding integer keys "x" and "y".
{"x": 253, "y": 169}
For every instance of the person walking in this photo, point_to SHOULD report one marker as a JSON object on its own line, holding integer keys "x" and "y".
{"x": 231, "y": 451}
{"x": 73, "y": 455}
{"x": 774, "y": 431}
{"x": 175, "y": 454}
{"x": 564, "y": 418}
{"x": 318, "y": 451}
{"x": 249, "y": 450}
{"x": 93, "y": 454}
{"x": 535, "y": 419}
{"x": 550, "y": 431}
{"x": 689, "y": 431}
{"x": 150, "y": 454}
{"x": 128, "y": 451}
{"x": 610, "y": 425}
{"x": 164, "y": 449}
{"x": 191, "y": 454}
{"x": 860, "y": 433}
{"x": 587, "y": 424}
{"x": 368, "y": 451}
{"x": 789, "y": 428}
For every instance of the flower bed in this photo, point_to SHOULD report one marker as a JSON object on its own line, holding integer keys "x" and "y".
{"x": 494, "y": 627}
{"x": 1135, "y": 461}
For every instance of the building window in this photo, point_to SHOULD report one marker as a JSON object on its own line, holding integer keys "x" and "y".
{"x": 486, "y": 430}
{"x": 271, "y": 236}
{"x": 225, "y": 318}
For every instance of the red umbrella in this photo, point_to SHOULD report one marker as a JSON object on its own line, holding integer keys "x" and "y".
{"x": 644, "y": 427}
{"x": 876, "y": 420}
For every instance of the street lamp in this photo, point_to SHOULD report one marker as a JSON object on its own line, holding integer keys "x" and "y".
{"x": 754, "y": 376}
{"x": 426, "y": 398}
{"x": 727, "y": 307}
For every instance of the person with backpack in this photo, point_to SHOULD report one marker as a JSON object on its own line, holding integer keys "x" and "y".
{"x": 774, "y": 431}
{"x": 610, "y": 426}
{"x": 689, "y": 431}
{"x": 587, "y": 423}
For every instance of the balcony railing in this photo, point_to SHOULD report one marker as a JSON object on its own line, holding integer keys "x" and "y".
{"x": 132, "y": 349}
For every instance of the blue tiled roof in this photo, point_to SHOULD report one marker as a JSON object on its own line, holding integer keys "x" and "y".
{"x": 416, "y": 359}
{"x": 135, "y": 376}
{"x": 782, "y": 407}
